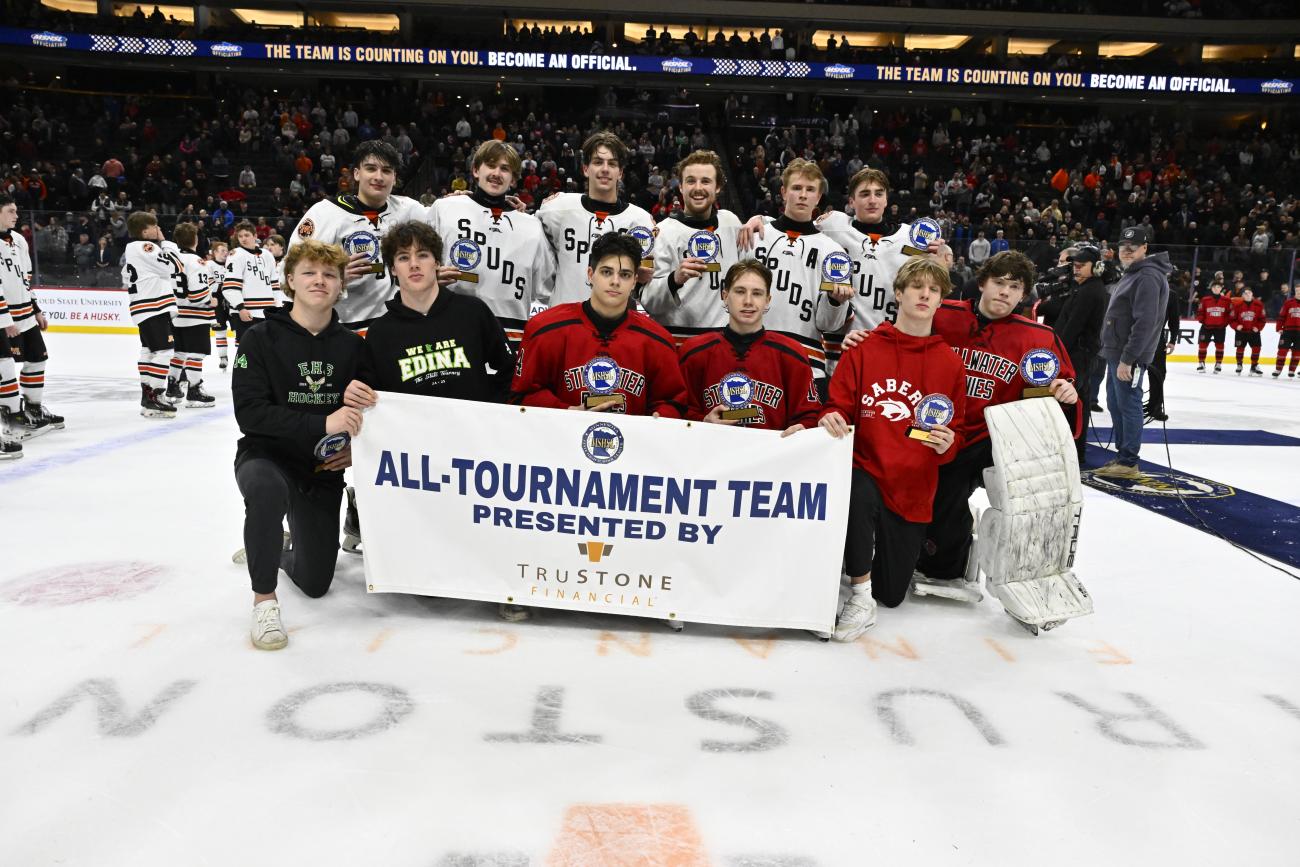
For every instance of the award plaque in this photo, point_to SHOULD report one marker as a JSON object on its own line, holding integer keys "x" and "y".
{"x": 837, "y": 268}
{"x": 706, "y": 246}
{"x": 737, "y": 393}
{"x": 1038, "y": 368}
{"x": 932, "y": 411}
{"x": 329, "y": 446}
{"x": 923, "y": 232}
{"x": 364, "y": 242}
{"x": 465, "y": 255}
{"x": 646, "y": 238}
{"x": 601, "y": 376}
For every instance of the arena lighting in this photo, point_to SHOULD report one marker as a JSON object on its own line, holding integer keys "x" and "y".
{"x": 1125, "y": 49}
{"x": 934, "y": 41}
{"x": 1016, "y": 45}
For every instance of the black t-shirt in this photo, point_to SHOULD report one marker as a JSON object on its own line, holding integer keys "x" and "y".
{"x": 446, "y": 352}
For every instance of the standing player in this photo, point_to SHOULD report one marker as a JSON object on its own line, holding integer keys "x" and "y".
{"x": 250, "y": 284}
{"x": 573, "y": 221}
{"x": 216, "y": 266}
{"x": 692, "y": 252}
{"x": 1247, "y": 318}
{"x": 1212, "y": 313}
{"x": 287, "y": 389}
{"x": 811, "y": 273}
{"x": 22, "y": 341}
{"x": 743, "y": 373}
{"x": 153, "y": 278}
{"x": 597, "y": 355}
{"x": 357, "y": 223}
{"x": 192, "y": 326}
{"x": 1288, "y": 340}
{"x": 274, "y": 244}
{"x": 491, "y": 250}
{"x": 900, "y": 388}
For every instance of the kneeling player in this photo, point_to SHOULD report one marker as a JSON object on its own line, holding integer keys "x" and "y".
{"x": 900, "y": 388}
{"x": 743, "y": 373}
{"x": 597, "y": 354}
{"x": 288, "y": 383}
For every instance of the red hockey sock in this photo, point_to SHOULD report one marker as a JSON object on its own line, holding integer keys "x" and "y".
{"x": 1200, "y": 352}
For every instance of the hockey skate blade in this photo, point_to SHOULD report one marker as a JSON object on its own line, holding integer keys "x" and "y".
{"x": 198, "y": 404}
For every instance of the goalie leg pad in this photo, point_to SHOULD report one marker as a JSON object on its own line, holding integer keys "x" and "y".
{"x": 1028, "y": 536}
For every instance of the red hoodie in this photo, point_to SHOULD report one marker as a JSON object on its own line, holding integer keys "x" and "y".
{"x": 876, "y": 388}
{"x": 1288, "y": 318}
{"x": 1248, "y": 317}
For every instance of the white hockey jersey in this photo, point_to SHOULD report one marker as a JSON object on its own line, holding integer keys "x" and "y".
{"x": 250, "y": 282}
{"x": 503, "y": 254}
{"x": 153, "y": 276}
{"x": 17, "y": 305}
{"x": 349, "y": 223}
{"x": 216, "y": 276}
{"x": 572, "y": 221}
{"x": 802, "y": 263}
{"x": 876, "y": 260}
{"x": 194, "y": 306}
{"x": 696, "y": 305}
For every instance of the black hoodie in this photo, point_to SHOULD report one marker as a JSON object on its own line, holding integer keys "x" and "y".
{"x": 286, "y": 380}
{"x": 443, "y": 353}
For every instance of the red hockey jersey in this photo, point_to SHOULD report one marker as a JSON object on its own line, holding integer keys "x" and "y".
{"x": 877, "y": 387}
{"x": 993, "y": 351}
{"x": 767, "y": 371}
{"x": 1288, "y": 318}
{"x": 570, "y": 351}
{"x": 1248, "y": 317}
{"x": 1213, "y": 311}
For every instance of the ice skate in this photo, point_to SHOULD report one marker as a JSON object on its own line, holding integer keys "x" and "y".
{"x": 153, "y": 406}
{"x": 40, "y": 411}
{"x": 10, "y": 448}
{"x": 197, "y": 397}
{"x": 1218, "y": 368}
{"x": 268, "y": 632}
{"x": 1238, "y": 370}
{"x": 25, "y": 423}
{"x": 174, "y": 395}
{"x": 512, "y": 613}
{"x": 1255, "y": 371}
{"x": 1200, "y": 368}
{"x": 352, "y": 525}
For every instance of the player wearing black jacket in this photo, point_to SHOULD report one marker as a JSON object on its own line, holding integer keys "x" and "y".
{"x": 288, "y": 383}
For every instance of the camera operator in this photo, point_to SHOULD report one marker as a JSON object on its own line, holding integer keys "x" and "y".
{"x": 1080, "y": 320}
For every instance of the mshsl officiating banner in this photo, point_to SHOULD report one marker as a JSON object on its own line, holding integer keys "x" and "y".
{"x": 600, "y": 512}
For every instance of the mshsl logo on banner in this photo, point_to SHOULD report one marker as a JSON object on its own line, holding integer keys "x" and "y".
{"x": 624, "y": 515}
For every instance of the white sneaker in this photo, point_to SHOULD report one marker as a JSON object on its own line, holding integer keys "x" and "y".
{"x": 514, "y": 613}
{"x": 856, "y": 617}
{"x": 268, "y": 632}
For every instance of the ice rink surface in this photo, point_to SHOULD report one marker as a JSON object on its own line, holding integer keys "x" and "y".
{"x": 138, "y": 726}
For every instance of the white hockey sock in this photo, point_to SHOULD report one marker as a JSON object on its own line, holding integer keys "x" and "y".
{"x": 177, "y": 367}
{"x": 32, "y": 381}
{"x": 9, "y": 384}
{"x": 153, "y": 367}
{"x": 194, "y": 368}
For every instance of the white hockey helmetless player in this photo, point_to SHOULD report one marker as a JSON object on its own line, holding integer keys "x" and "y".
{"x": 22, "y": 345}
{"x": 489, "y": 249}
{"x": 574, "y": 220}
{"x": 218, "y": 252}
{"x": 357, "y": 223}
{"x": 810, "y": 272}
{"x": 693, "y": 252}
{"x": 153, "y": 277}
{"x": 192, "y": 325}
{"x": 250, "y": 284}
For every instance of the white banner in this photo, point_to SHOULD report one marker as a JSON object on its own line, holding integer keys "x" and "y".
{"x": 1185, "y": 348}
{"x": 81, "y": 308}
{"x": 600, "y": 512}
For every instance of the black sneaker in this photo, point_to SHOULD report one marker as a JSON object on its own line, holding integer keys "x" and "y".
{"x": 152, "y": 404}
{"x": 196, "y": 396}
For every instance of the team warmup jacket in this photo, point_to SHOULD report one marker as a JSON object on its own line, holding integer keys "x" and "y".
{"x": 561, "y": 342}
{"x": 356, "y": 227}
{"x": 696, "y": 305}
{"x": 1213, "y": 311}
{"x": 17, "y": 302}
{"x": 572, "y": 221}
{"x": 194, "y": 305}
{"x": 795, "y": 253}
{"x": 457, "y": 350}
{"x": 153, "y": 277}
{"x": 992, "y": 350}
{"x": 508, "y": 251}
{"x": 250, "y": 282}
{"x": 877, "y": 387}
{"x": 1246, "y": 318}
{"x": 781, "y": 381}
{"x": 1288, "y": 318}
{"x": 285, "y": 381}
